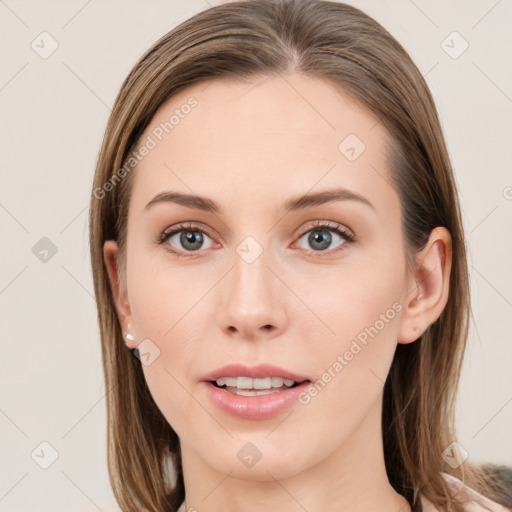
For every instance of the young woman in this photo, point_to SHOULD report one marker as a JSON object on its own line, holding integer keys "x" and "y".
{"x": 275, "y": 233}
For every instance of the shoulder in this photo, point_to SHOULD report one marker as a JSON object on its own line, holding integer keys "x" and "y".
{"x": 476, "y": 502}
{"x": 502, "y": 475}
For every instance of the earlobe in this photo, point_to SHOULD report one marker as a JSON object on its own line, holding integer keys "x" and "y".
{"x": 429, "y": 287}
{"x": 110, "y": 255}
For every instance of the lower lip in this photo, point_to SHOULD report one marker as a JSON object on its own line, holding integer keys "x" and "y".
{"x": 260, "y": 407}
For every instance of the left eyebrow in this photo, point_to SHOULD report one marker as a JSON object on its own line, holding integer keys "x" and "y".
{"x": 325, "y": 196}
{"x": 295, "y": 203}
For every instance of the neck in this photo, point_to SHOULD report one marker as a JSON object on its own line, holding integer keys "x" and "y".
{"x": 352, "y": 478}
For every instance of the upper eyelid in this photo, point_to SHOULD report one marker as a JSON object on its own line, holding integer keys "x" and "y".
{"x": 196, "y": 226}
{"x": 184, "y": 227}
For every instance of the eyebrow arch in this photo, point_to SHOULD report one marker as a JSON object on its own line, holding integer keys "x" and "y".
{"x": 295, "y": 203}
{"x": 188, "y": 200}
{"x": 325, "y": 196}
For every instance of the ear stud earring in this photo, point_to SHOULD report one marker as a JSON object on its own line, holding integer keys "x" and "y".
{"x": 128, "y": 337}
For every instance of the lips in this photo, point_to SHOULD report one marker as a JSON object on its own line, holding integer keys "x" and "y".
{"x": 256, "y": 372}
{"x": 254, "y": 403}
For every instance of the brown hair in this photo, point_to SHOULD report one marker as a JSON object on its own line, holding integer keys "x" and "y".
{"x": 347, "y": 48}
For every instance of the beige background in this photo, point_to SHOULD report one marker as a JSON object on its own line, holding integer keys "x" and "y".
{"x": 54, "y": 111}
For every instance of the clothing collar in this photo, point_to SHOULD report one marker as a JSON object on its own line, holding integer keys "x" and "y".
{"x": 473, "y": 501}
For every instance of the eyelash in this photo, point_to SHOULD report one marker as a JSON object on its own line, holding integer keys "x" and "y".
{"x": 320, "y": 226}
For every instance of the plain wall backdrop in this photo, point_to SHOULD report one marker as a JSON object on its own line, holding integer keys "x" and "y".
{"x": 55, "y": 101}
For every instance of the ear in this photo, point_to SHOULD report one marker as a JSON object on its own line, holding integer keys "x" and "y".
{"x": 429, "y": 286}
{"x": 110, "y": 255}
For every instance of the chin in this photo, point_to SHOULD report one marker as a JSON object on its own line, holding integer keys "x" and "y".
{"x": 272, "y": 468}
{"x": 259, "y": 457}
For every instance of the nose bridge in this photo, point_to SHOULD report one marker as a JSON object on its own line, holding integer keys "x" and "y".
{"x": 251, "y": 300}
{"x": 251, "y": 279}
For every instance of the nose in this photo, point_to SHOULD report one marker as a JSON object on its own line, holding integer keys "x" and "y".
{"x": 252, "y": 300}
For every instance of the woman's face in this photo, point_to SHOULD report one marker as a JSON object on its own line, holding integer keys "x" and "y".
{"x": 251, "y": 280}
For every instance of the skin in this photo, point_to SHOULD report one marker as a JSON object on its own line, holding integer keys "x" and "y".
{"x": 250, "y": 147}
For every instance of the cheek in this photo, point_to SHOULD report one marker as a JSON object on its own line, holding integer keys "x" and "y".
{"x": 162, "y": 295}
{"x": 170, "y": 390}
{"x": 353, "y": 302}
{"x": 361, "y": 309}
{"x": 166, "y": 305}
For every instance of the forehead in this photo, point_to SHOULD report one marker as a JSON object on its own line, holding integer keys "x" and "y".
{"x": 261, "y": 136}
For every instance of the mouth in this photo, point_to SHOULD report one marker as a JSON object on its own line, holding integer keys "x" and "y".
{"x": 247, "y": 386}
{"x": 254, "y": 393}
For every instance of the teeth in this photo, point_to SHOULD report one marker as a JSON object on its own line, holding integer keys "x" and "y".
{"x": 251, "y": 392}
{"x": 244, "y": 383}
{"x": 250, "y": 383}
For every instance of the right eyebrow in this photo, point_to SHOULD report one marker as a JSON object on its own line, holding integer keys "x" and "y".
{"x": 188, "y": 200}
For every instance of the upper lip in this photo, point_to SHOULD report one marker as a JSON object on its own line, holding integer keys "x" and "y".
{"x": 256, "y": 372}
